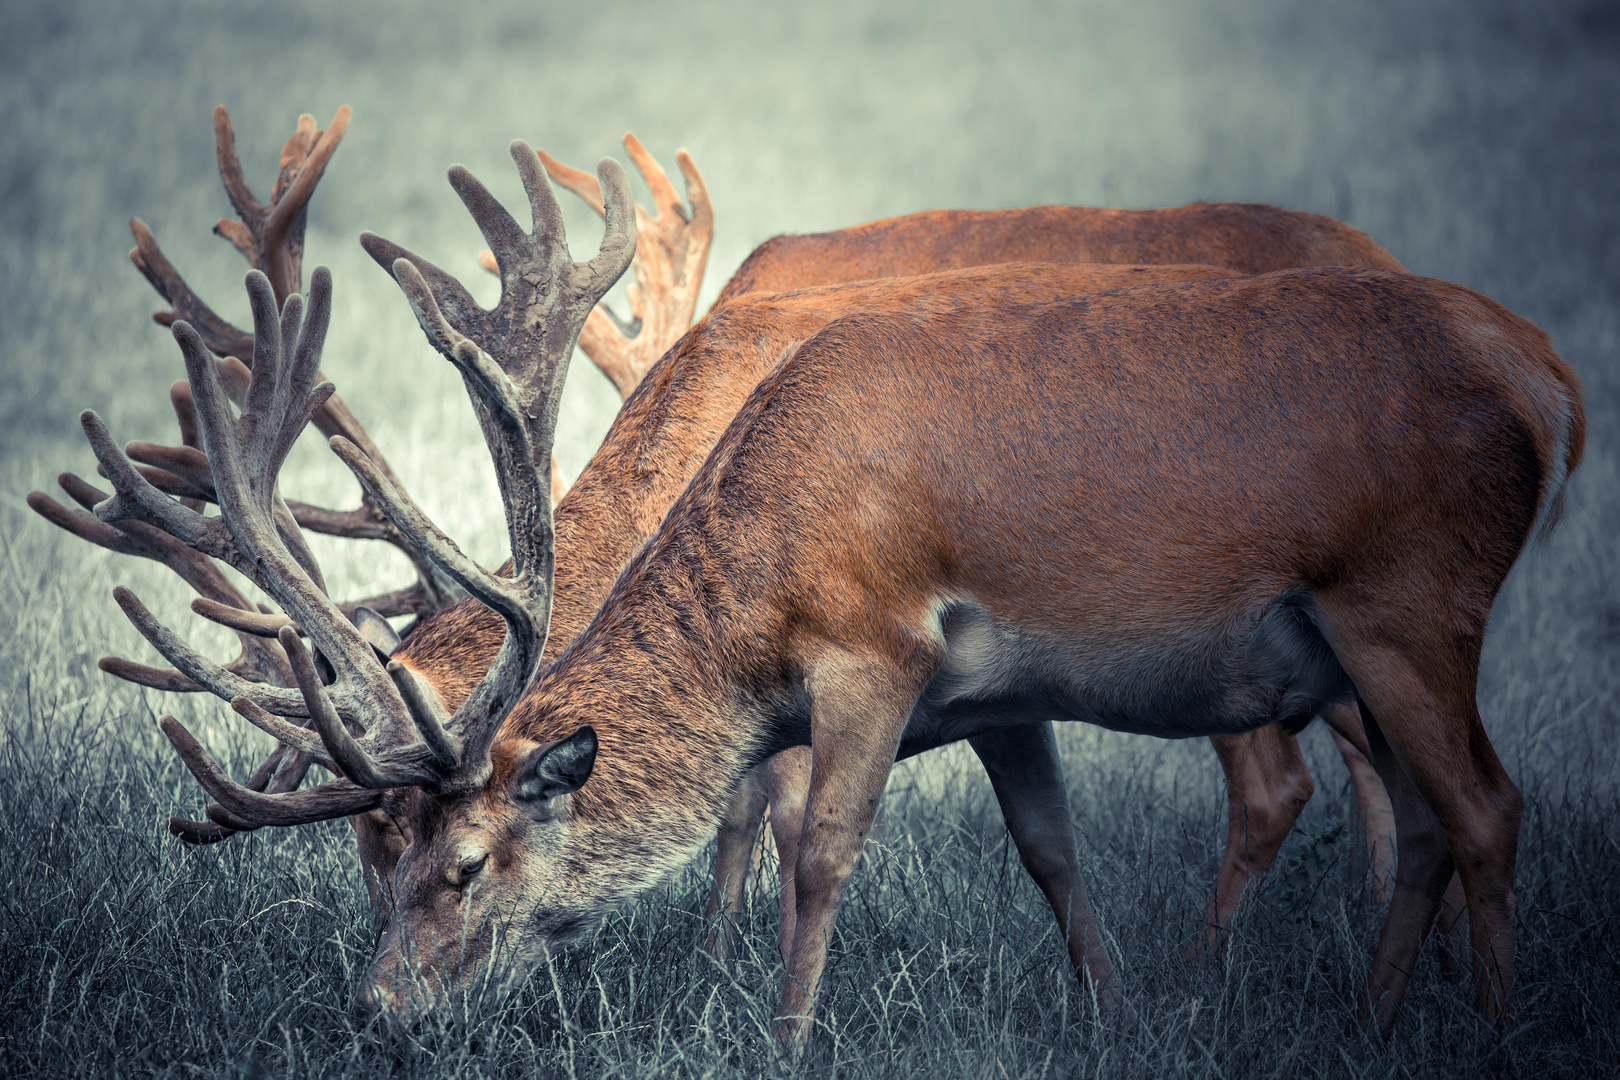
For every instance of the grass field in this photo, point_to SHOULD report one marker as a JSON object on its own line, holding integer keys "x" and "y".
{"x": 1478, "y": 142}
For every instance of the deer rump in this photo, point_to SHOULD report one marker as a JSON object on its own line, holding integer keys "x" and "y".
{"x": 1124, "y": 508}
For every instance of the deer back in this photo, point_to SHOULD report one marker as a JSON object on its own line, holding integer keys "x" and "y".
{"x": 1252, "y": 238}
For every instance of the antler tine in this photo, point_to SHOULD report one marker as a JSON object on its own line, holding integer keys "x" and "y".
{"x": 578, "y": 181}
{"x": 196, "y": 667}
{"x": 364, "y": 767}
{"x": 426, "y": 712}
{"x": 287, "y": 734}
{"x": 672, "y": 251}
{"x": 223, "y": 338}
{"x": 230, "y": 172}
{"x": 271, "y": 237}
{"x": 259, "y": 661}
{"x": 185, "y": 414}
{"x": 263, "y": 778}
{"x": 339, "y": 798}
{"x": 545, "y": 298}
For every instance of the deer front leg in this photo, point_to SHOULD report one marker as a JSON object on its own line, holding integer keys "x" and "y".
{"x": 1267, "y": 785}
{"x": 859, "y": 707}
{"x": 1024, "y": 769}
{"x": 733, "y": 853}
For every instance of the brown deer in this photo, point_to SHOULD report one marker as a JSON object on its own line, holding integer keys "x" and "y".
{"x": 674, "y": 755}
{"x": 840, "y": 575}
{"x": 1268, "y": 782}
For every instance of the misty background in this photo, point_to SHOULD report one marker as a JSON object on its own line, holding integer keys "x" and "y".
{"x": 1476, "y": 141}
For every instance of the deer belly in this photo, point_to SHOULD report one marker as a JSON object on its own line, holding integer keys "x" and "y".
{"x": 1273, "y": 666}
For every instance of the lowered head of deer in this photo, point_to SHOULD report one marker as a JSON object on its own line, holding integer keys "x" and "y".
{"x": 503, "y": 872}
{"x": 385, "y": 732}
{"x": 885, "y": 614}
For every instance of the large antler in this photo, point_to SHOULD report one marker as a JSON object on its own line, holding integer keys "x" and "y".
{"x": 255, "y": 533}
{"x": 516, "y": 387}
{"x": 271, "y": 238}
{"x": 374, "y": 724}
{"x": 260, "y": 660}
{"x": 672, "y": 249}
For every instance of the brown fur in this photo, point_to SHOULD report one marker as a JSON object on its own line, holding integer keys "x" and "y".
{"x": 1252, "y": 238}
{"x": 1167, "y": 459}
{"x": 658, "y": 441}
{"x": 601, "y": 527}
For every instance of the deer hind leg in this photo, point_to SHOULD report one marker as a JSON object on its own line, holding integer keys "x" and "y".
{"x": 1378, "y": 825}
{"x": 1025, "y": 771}
{"x": 1267, "y": 785}
{"x": 859, "y": 706}
{"x": 788, "y": 776}
{"x": 1453, "y": 801}
{"x": 1376, "y": 816}
{"x": 733, "y": 856}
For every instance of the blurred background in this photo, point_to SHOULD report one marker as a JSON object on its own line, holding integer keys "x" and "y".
{"x": 1478, "y": 140}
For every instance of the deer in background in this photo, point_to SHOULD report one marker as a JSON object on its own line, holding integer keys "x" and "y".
{"x": 1268, "y": 783}
{"x": 505, "y": 822}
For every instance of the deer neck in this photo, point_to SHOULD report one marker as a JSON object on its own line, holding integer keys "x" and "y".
{"x": 660, "y": 438}
{"x": 679, "y": 720}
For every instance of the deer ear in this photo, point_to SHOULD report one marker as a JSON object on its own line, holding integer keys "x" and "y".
{"x": 377, "y": 631}
{"x": 558, "y": 768}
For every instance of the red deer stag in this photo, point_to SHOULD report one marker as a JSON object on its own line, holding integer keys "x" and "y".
{"x": 1267, "y": 780}
{"x": 718, "y": 646}
{"x": 837, "y": 574}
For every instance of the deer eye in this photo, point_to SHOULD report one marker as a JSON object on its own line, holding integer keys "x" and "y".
{"x": 471, "y": 867}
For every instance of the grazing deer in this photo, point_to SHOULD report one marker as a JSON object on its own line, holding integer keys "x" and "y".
{"x": 1268, "y": 783}
{"x": 835, "y": 569}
